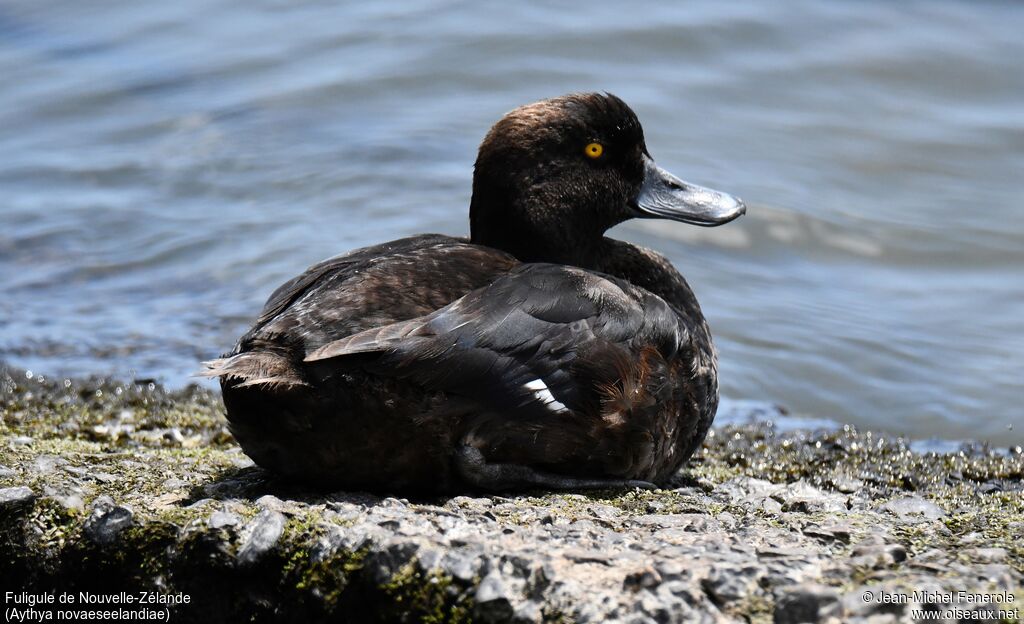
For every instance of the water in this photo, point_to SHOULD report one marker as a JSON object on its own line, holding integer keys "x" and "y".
{"x": 163, "y": 166}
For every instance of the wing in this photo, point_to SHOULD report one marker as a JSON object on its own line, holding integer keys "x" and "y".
{"x": 369, "y": 287}
{"x": 528, "y": 341}
{"x": 375, "y": 286}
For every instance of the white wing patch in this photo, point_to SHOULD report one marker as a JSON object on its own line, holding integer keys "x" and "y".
{"x": 540, "y": 390}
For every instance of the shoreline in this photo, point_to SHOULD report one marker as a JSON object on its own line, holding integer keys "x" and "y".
{"x": 110, "y": 487}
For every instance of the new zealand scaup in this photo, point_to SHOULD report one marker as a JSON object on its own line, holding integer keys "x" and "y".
{"x": 537, "y": 353}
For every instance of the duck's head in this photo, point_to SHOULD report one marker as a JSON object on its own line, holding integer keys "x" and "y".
{"x": 553, "y": 176}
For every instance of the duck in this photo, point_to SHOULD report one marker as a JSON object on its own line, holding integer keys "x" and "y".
{"x": 538, "y": 353}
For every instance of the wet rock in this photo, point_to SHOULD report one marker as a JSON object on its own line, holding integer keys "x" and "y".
{"x": 803, "y": 497}
{"x": 846, "y": 485}
{"x": 261, "y": 536}
{"x": 913, "y": 508}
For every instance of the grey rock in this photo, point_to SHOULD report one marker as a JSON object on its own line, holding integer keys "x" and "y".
{"x": 829, "y": 532}
{"x": 45, "y": 464}
{"x": 461, "y": 564}
{"x": 14, "y": 499}
{"x": 223, "y": 519}
{"x": 805, "y": 603}
{"x": 642, "y": 579}
{"x": 174, "y": 483}
{"x": 731, "y": 583}
{"x": 770, "y": 506}
{"x": 70, "y": 501}
{"x": 986, "y": 555}
{"x": 94, "y": 475}
{"x": 271, "y": 502}
{"x": 528, "y": 612}
{"x": 262, "y": 534}
{"x": 392, "y": 556}
{"x": 494, "y": 599}
{"x": 107, "y": 521}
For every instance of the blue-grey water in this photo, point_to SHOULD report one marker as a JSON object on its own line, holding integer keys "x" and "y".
{"x": 165, "y": 165}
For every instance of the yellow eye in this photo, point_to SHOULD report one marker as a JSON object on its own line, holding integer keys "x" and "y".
{"x": 593, "y": 150}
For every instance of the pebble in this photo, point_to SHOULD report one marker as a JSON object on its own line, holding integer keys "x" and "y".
{"x": 805, "y": 603}
{"x": 223, "y": 519}
{"x": 262, "y": 534}
{"x": 493, "y": 598}
{"x": 15, "y": 498}
{"x": 107, "y": 521}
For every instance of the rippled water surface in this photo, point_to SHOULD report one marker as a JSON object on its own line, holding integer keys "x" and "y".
{"x": 163, "y": 166}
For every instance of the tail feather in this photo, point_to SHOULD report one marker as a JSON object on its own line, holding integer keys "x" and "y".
{"x": 255, "y": 368}
{"x": 372, "y": 340}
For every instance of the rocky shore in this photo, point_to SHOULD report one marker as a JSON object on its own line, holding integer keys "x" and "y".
{"x": 111, "y": 488}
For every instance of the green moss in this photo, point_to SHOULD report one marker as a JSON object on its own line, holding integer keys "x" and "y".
{"x": 54, "y": 524}
{"x": 325, "y": 578}
{"x": 425, "y": 596}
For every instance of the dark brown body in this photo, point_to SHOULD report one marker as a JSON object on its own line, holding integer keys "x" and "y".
{"x": 536, "y": 354}
{"x": 338, "y": 423}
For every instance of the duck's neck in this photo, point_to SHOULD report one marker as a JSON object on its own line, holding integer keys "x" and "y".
{"x": 534, "y": 231}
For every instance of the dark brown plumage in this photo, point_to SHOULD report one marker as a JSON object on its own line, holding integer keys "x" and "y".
{"x": 537, "y": 353}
